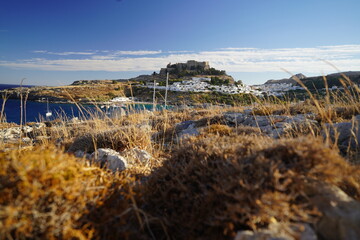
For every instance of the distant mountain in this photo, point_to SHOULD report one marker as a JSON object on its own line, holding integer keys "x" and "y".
{"x": 291, "y": 80}
{"x": 334, "y": 79}
{"x": 317, "y": 82}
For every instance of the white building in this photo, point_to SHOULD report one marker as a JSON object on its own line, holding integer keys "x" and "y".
{"x": 121, "y": 99}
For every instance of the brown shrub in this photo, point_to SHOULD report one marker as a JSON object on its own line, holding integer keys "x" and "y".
{"x": 118, "y": 139}
{"x": 217, "y": 129}
{"x": 44, "y": 193}
{"x": 212, "y": 187}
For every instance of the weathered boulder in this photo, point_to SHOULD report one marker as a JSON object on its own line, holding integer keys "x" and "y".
{"x": 10, "y": 134}
{"x": 273, "y": 125}
{"x": 347, "y": 134}
{"x": 340, "y": 213}
{"x": 82, "y": 154}
{"x": 136, "y": 155}
{"x": 39, "y": 125}
{"x": 184, "y": 125}
{"x": 186, "y": 129}
{"x": 279, "y": 231}
{"x": 109, "y": 159}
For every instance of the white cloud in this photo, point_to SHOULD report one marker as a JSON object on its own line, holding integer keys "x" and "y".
{"x": 232, "y": 48}
{"x": 344, "y": 57}
{"x": 137, "y": 53}
{"x": 63, "y": 53}
{"x": 180, "y": 51}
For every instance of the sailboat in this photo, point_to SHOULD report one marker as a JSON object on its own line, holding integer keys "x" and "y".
{"x": 48, "y": 112}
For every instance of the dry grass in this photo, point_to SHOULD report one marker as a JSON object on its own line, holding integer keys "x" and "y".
{"x": 117, "y": 139}
{"x": 219, "y": 185}
{"x": 44, "y": 192}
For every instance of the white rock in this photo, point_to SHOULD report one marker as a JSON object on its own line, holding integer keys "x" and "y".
{"x": 39, "y": 125}
{"x": 110, "y": 159}
{"x": 26, "y": 139}
{"x": 279, "y": 231}
{"x": 27, "y": 129}
{"x": 141, "y": 155}
{"x": 12, "y": 131}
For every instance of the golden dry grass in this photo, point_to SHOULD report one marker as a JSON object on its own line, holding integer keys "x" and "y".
{"x": 44, "y": 192}
{"x": 215, "y": 186}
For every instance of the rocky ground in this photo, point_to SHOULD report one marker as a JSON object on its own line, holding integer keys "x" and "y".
{"x": 217, "y": 173}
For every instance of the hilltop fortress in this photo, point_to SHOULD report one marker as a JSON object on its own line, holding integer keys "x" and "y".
{"x": 190, "y": 65}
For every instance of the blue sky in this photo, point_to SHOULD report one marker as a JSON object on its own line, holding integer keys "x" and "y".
{"x": 59, "y": 41}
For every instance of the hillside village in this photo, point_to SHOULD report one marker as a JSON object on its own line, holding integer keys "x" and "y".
{"x": 194, "y": 76}
{"x": 200, "y": 77}
{"x": 201, "y": 83}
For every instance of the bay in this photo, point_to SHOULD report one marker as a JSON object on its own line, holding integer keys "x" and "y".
{"x": 35, "y": 111}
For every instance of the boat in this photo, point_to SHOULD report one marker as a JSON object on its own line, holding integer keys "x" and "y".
{"x": 48, "y": 112}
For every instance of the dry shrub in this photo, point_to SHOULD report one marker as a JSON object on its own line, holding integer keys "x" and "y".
{"x": 118, "y": 139}
{"x": 206, "y": 121}
{"x": 200, "y": 113}
{"x": 302, "y": 107}
{"x": 217, "y": 129}
{"x": 303, "y": 129}
{"x": 269, "y": 109}
{"x": 346, "y": 112}
{"x": 44, "y": 193}
{"x": 247, "y": 130}
{"x": 218, "y": 185}
{"x": 4, "y": 125}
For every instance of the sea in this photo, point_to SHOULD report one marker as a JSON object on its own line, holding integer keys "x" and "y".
{"x": 36, "y": 111}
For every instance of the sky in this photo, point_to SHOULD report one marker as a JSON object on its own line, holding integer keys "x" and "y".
{"x": 55, "y": 42}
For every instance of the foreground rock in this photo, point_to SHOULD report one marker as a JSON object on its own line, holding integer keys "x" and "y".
{"x": 347, "y": 134}
{"x": 274, "y": 125}
{"x": 109, "y": 159}
{"x": 280, "y": 231}
{"x": 136, "y": 156}
{"x": 340, "y": 213}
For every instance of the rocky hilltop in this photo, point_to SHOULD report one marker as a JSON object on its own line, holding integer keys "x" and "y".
{"x": 291, "y": 80}
{"x": 317, "y": 82}
{"x": 332, "y": 80}
{"x": 185, "y": 71}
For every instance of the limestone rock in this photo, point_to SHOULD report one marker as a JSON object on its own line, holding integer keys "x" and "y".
{"x": 280, "y": 231}
{"x": 137, "y": 155}
{"x": 273, "y": 125}
{"x": 340, "y": 213}
{"x": 110, "y": 159}
{"x": 185, "y": 129}
{"x": 347, "y": 133}
{"x": 39, "y": 125}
